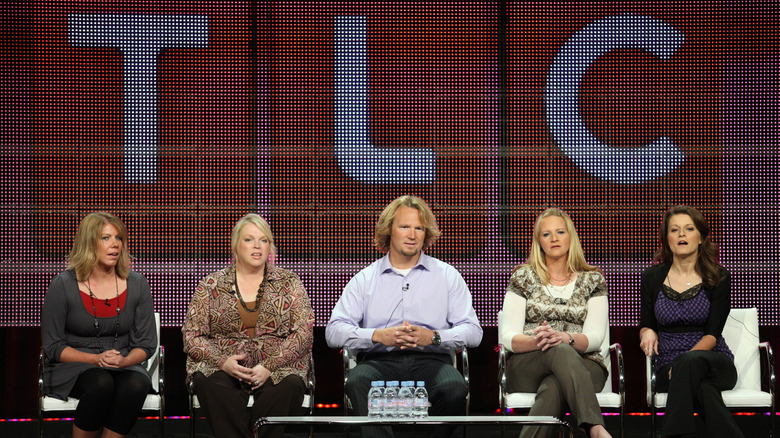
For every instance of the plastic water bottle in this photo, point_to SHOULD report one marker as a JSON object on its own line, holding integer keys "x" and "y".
{"x": 391, "y": 400}
{"x": 376, "y": 400}
{"x": 406, "y": 400}
{"x": 420, "y": 409}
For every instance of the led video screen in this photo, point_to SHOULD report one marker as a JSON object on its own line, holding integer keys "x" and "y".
{"x": 179, "y": 117}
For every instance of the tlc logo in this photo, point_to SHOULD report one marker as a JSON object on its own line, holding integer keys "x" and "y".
{"x": 336, "y": 154}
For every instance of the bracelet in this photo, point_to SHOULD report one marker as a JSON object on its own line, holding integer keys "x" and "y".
{"x": 571, "y": 339}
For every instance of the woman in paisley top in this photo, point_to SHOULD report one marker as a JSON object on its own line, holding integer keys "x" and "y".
{"x": 685, "y": 303}
{"x": 556, "y": 314}
{"x": 248, "y": 331}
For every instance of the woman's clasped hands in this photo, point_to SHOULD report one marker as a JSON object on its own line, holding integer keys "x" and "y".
{"x": 255, "y": 377}
{"x": 546, "y": 336}
{"x": 110, "y": 358}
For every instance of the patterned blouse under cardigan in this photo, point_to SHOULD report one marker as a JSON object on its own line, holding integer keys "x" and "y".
{"x": 568, "y": 317}
{"x": 213, "y": 330}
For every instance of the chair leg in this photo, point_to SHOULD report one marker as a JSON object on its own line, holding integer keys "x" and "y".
{"x": 192, "y": 423}
{"x": 652, "y": 422}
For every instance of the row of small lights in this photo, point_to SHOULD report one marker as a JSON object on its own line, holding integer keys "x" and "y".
{"x": 336, "y": 406}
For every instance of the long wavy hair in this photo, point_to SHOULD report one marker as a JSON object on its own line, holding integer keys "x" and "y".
{"x": 707, "y": 265}
{"x": 575, "y": 259}
{"x": 385, "y": 223}
{"x": 258, "y": 221}
{"x": 84, "y": 253}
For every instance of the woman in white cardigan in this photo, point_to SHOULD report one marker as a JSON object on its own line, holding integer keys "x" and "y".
{"x": 556, "y": 314}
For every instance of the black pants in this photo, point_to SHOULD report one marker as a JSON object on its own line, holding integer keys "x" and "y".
{"x": 224, "y": 401}
{"x": 698, "y": 377}
{"x": 444, "y": 383}
{"x": 109, "y": 399}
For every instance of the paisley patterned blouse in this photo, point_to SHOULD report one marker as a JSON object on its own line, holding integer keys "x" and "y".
{"x": 213, "y": 330}
{"x": 566, "y": 317}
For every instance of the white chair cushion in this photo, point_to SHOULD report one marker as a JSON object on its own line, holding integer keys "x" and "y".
{"x": 524, "y": 400}
{"x": 608, "y": 399}
{"x": 55, "y": 404}
{"x": 739, "y": 398}
{"x": 152, "y": 403}
{"x": 746, "y": 398}
{"x": 306, "y": 401}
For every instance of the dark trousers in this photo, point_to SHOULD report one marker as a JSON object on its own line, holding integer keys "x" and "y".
{"x": 561, "y": 379}
{"x": 444, "y": 383}
{"x": 698, "y": 377}
{"x": 109, "y": 399}
{"x": 224, "y": 400}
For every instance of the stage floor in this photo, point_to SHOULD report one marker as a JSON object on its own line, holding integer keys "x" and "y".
{"x": 635, "y": 427}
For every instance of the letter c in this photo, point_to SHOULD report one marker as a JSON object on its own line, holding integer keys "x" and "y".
{"x": 610, "y": 163}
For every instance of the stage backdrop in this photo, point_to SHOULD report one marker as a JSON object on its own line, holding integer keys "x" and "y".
{"x": 181, "y": 116}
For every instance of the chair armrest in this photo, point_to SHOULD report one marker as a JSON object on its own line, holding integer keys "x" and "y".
{"x": 616, "y": 350}
{"x": 310, "y": 379}
{"x": 464, "y": 356}
{"x": 651, "y": 380}
{"x": 464, "y": 359}
{"x": 348, "y": 357}
{"x": 40, "y": 378}
{"x": 501, "y": 377}
{"x": 161, "y": 373}
{"x": 311, "y": 382}
{"x": 190, "y": 393}
{"x": 770, "y": 367}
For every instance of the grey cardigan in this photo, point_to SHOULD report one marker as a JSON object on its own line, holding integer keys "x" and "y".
{"x": 65, "y": 322}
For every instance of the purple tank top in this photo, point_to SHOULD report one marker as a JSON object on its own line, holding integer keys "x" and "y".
{"x": 678, "y": 315}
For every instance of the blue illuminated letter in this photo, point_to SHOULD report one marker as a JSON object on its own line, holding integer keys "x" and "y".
{"x": 355, "y": 154}
{"x": 140, "y": 38}
{"x": 610, "y": 163}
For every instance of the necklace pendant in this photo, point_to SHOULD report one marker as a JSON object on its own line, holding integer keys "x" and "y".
{"x": 96, "y": 324}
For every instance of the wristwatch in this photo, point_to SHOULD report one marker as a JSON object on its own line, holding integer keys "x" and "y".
{"x": 436, "y": 338}
{"x": 571, "y": 339}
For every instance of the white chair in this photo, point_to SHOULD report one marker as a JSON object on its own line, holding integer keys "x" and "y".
{"x": 155, "y": 365}
{"x": 308, "y": 398}
{"x": 607, "y": 398}
{"x": 741, "y": 335}
{"x": 349, "y": 357}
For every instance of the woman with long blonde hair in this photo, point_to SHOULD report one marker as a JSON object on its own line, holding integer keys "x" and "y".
{"x": 556, "y": 314}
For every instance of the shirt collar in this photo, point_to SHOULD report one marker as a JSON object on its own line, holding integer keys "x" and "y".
{"x": 422, "y": 263}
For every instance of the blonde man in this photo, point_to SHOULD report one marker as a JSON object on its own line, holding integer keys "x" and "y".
{"x": 406, "y": 312}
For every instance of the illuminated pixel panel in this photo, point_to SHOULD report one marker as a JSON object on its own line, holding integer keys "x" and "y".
{"x": 181, "y": 117}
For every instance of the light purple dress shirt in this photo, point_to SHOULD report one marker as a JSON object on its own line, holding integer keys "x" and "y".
{"x": 433, "y": 295}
